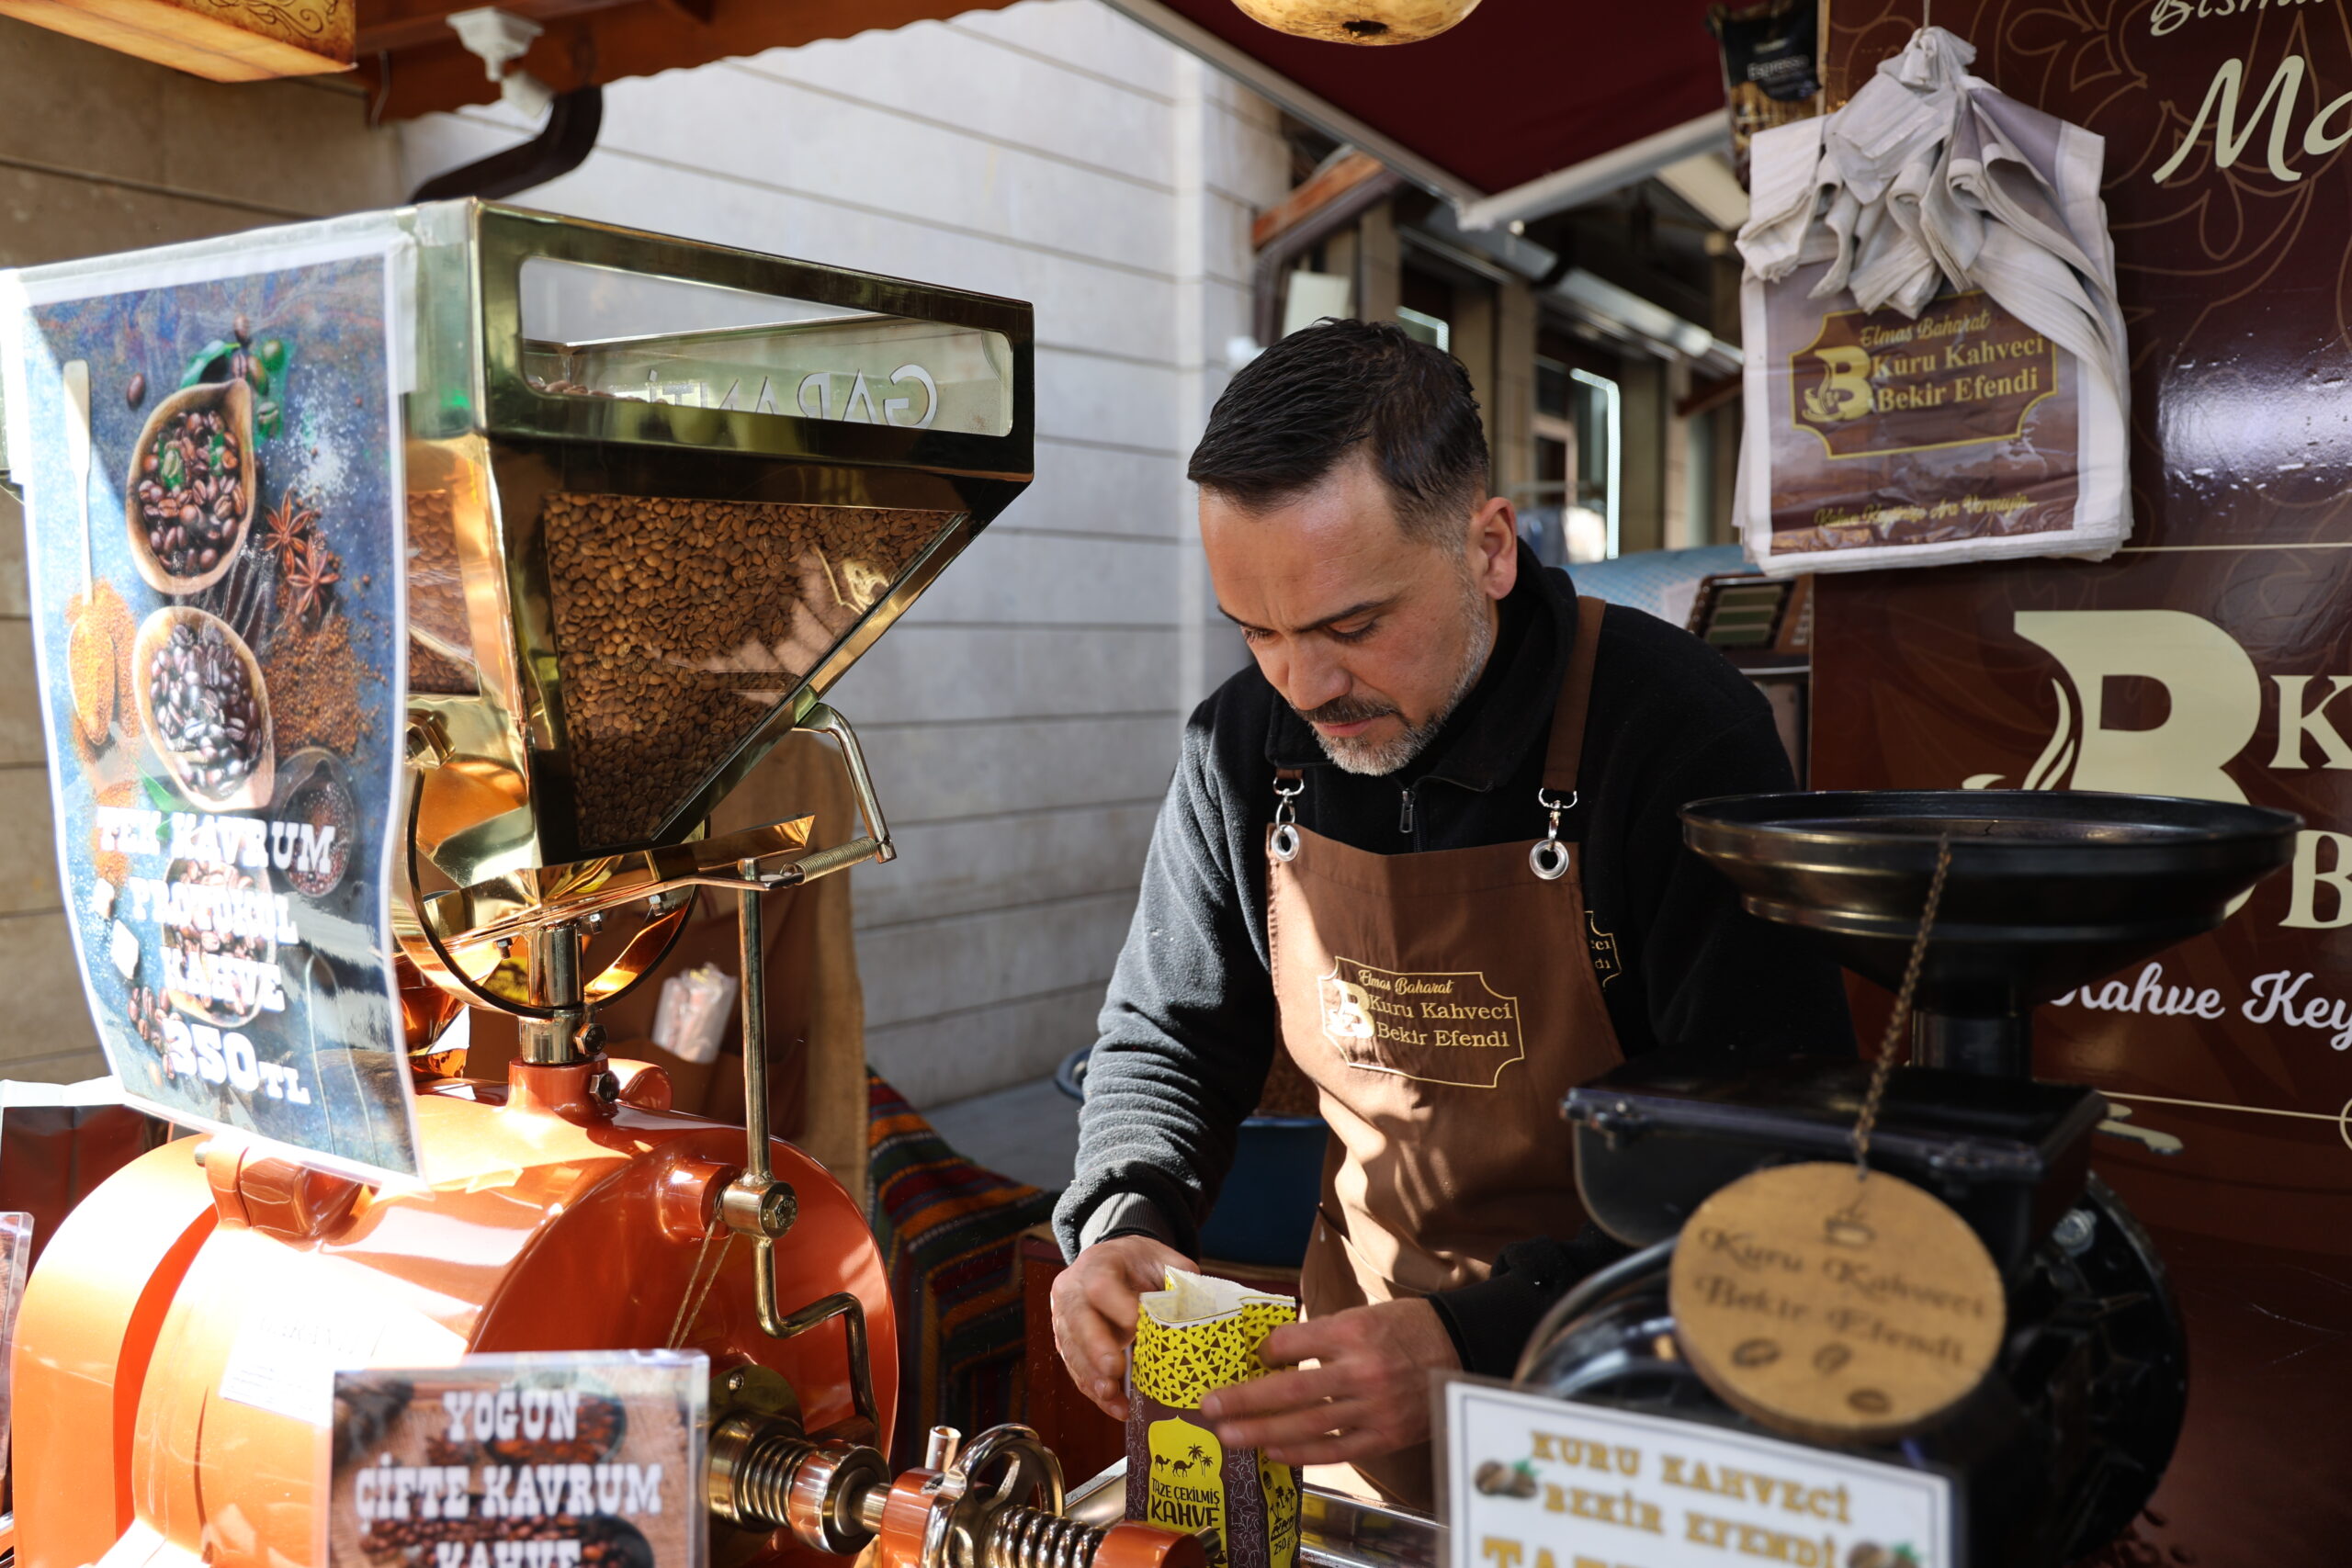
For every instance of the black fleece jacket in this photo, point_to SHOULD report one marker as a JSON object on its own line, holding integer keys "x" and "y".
{"x": 1188, "y": 1029}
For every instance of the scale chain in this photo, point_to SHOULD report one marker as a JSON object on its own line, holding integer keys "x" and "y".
{"x": 1901, "y": 1014}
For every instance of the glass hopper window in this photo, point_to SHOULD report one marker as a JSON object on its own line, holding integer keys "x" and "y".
{"x": 592, "y": 331}
{"x": 681, "y": 625}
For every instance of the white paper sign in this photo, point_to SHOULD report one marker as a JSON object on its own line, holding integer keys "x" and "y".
{"x": 286, "y": 1353}
{"x": 1540, "y": 1483}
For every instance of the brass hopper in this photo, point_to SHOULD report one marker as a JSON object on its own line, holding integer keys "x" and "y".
{"x": 667, "y": 494}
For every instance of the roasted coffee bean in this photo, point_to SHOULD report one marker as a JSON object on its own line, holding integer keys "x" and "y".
{"x": 189, "y": 496}
{"x": 200, "y": 690}
{"x": 136, "y": 393}
{"x": 680, "y": 626}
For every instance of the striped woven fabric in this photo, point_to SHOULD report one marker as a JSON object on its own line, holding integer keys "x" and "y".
{"x": 949, "y": 1232}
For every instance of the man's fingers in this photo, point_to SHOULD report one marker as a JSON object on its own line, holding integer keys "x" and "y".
{"x": 1296, "y": 1342}
{"x": 1305, "y": 1423}
{"x": 1337, "y": 1447}
{"x": 1087, "y": 1343}
{"x": 1147, "y": 1266}
{"x": 1274, "y": 1391}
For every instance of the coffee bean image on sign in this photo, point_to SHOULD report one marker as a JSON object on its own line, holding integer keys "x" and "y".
{"x": 1835, "y": 1306}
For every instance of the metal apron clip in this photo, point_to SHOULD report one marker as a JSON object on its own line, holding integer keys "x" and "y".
{"x": 1284, "y": 845}
{"x": 1548, "y": 858}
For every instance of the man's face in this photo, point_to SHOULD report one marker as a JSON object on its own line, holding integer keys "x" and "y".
{"x": 1372, "y": 634}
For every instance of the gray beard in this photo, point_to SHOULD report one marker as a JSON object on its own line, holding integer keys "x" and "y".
{"x": 1376, "y": 759}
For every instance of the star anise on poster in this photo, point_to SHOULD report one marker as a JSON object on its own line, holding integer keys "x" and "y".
{"x": 313, "y": 571}
{"x": 286, "y": 528}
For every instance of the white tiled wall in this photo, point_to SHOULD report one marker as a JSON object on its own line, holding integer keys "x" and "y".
{"x": 1022, "y": 721}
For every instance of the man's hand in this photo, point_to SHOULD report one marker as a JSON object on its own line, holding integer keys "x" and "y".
{"x": 1369, "y": 1395}
{"x": 1095, "y": 1308}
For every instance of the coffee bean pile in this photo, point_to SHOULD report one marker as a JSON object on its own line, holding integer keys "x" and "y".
{"x": 681, "y": 623}
{"x": 147, "y": 1017}
{"x": 206, "y": 712}
{"x": 191, "y": 500}
{"x": 436, "y": 595}
{"x": 604, "y": 1542}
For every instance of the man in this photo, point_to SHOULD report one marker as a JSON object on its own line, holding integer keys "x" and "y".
{"x": 1428, "y": 846}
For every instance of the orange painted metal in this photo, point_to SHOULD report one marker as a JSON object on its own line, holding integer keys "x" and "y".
{"x": 542, "y": 1229}
{"x": 906, "y": 1519}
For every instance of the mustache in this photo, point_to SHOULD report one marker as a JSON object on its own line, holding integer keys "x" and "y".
{"x": 1346, "y": 710}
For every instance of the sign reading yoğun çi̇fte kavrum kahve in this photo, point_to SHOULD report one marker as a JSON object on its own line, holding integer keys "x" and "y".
{"x": 208, "y": 444}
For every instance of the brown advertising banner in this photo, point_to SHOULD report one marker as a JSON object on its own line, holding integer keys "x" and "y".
{"x": 2209, "y": 659}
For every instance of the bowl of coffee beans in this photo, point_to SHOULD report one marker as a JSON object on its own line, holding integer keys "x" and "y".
{"x": 202, "y": 704}
{"x": 193, "y": 486}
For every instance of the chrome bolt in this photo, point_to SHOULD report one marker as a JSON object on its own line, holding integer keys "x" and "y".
{"x": 2074, "y": 1231}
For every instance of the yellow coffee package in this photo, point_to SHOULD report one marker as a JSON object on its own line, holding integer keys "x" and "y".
{"x": 1197, "y": 1334}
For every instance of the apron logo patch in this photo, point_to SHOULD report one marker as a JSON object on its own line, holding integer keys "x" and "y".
{"x": 1607, "y": 962}
{"x": 1435, "y": 1027}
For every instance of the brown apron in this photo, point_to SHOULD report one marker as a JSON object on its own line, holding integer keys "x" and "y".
{"x": 1443, "y": 1003}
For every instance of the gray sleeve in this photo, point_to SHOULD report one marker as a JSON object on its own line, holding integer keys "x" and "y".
{"x": 1187, "y": 1029}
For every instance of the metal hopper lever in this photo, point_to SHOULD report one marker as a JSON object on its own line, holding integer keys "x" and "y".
{"x": 755, "y": 1203}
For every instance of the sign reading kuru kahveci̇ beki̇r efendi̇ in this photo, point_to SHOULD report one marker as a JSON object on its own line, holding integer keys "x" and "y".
{"x": 209, "y": 454}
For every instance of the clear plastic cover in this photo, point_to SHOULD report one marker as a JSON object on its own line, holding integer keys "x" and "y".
{"x": 599, "y": 333}
{"x": 575, "y": 1459}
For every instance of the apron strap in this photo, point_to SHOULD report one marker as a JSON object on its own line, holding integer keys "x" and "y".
{"x": 1576, "y": 696}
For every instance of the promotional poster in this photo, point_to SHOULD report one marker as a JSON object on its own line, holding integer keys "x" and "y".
{"x": 210, "y": 464}
{"x": 572, "y": 1461}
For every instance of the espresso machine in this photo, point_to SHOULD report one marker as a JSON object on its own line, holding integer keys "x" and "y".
{"x": 658, "y": 497}
{"x": 2058, "y": 1448}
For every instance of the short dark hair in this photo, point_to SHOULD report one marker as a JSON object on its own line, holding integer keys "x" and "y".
{"x": 1304, "y": 406}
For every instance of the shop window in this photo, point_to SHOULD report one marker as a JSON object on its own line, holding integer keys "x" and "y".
{"x": 1572, "y": 506}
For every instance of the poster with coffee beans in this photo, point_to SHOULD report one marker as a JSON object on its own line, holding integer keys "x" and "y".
{"x": 209, "y": 453}
{"x": 586, "y": 1460}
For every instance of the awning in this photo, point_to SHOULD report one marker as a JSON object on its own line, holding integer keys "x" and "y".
{"x": 407, "y": 52}
{"x": 1572, "y": 92}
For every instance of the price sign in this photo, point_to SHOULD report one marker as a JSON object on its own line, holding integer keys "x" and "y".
{"x": 210, "y": 445}
{"x": 1540, "y": 1483}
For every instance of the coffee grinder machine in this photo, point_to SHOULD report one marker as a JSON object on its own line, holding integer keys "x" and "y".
{"x": 658, "y": 496}
{"x": 2061, "y": 1443}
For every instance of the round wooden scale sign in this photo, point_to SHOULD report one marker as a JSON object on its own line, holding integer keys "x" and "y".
{"x": 1833, "y": 1306}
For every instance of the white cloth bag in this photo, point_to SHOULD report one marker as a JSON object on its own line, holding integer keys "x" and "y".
{"x": 1936, "y": 365}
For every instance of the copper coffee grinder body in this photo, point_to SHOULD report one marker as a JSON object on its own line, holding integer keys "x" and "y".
{"x": 634, "y": 566}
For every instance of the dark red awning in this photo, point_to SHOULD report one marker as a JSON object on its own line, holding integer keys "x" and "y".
{"x": 1518, "y": 90}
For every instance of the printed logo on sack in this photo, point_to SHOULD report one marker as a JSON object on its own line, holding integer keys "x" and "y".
{"x": 1875, "y": 384}
{"x": 2214, "y": 700}
{"x": 1434, "y": 1028}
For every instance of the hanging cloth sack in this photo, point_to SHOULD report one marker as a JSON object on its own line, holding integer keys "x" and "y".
{"x": 1935, "y": 355}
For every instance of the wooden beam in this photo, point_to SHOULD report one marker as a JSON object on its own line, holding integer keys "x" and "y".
{"x": 1318, "y": 193}
{"x": 224, "y": 40}
{"x": 389, "y": 25}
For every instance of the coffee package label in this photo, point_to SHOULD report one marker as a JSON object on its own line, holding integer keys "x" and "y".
{"x": 1771, "y": 65}
{"x": 1201, "y": 1334}
{"x": 1879, "y": 439}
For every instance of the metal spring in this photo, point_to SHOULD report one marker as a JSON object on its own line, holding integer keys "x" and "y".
{"x": 764, "y": 1478}
{"x": 1031, "y": 1537}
